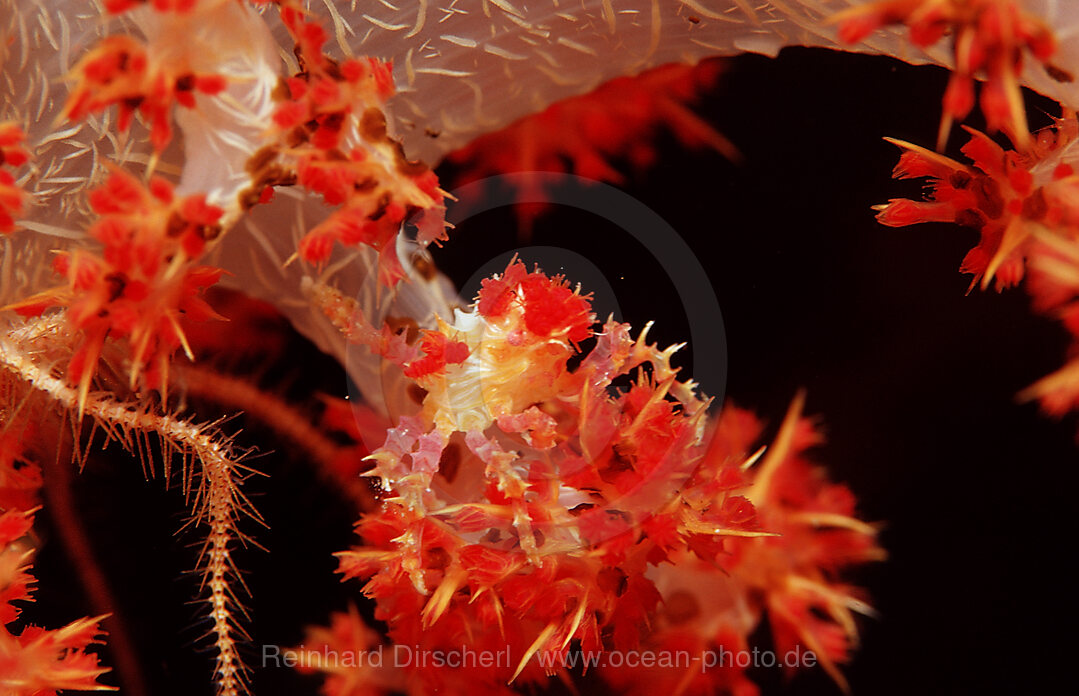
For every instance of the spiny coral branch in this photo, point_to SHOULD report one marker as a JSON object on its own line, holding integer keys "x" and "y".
{"x": 217, "y": 504}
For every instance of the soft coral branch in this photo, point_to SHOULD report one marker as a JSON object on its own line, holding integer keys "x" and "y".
{"x": 587, "y": 135}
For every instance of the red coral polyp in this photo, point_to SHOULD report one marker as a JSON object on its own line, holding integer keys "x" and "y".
{"x": 550, "y": 307}
{"x": 120, "y": 71}
{"x": 332, "y": 133}
{"x": 141, "y": 282}
{"x": 989, "y": 37}
{"x": 439, "y": 351}
{"x": 12, "y": 154}
{"x": 1004, "y": 195}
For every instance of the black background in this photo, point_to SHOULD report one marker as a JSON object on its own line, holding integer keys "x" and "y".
{"x": 914, "y": 380}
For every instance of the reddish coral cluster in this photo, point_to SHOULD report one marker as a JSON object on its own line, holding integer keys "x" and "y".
{"x": 120, "y": 71}
{"x": 538, "y": 498}
{"x": 1054, "y": 288}
{"x": 988, "y": 36}
{"x": 142, "y": 281}
{"x": 1025, "y": 205}
{"x": 548, "y": 486}
{"x": 12, "y": 154}
{"x": 328, "y": 133}
{"x": 1004, "y": 195}
{"x": 347, "y": 634}
{"x": 333, "y": 134}
{"x": 558, "y": 482}
{"x": 716, "y": 595}
{"x": 34, "y": 661}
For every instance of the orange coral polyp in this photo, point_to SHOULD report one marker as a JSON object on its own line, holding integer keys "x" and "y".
{"x": 550, "y": 307}
{"x": 336, "y": 108}
{"x": 120, "y": 71}
{"x": 142, "y": 281}
{"x": 1004, "y": 195}
{"x": 990, "y": 37}
{"x": 35, "y": 661}
{"x": 12, "y": 154}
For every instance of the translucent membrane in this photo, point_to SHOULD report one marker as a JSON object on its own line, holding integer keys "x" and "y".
{"x": 462, "y": 74}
